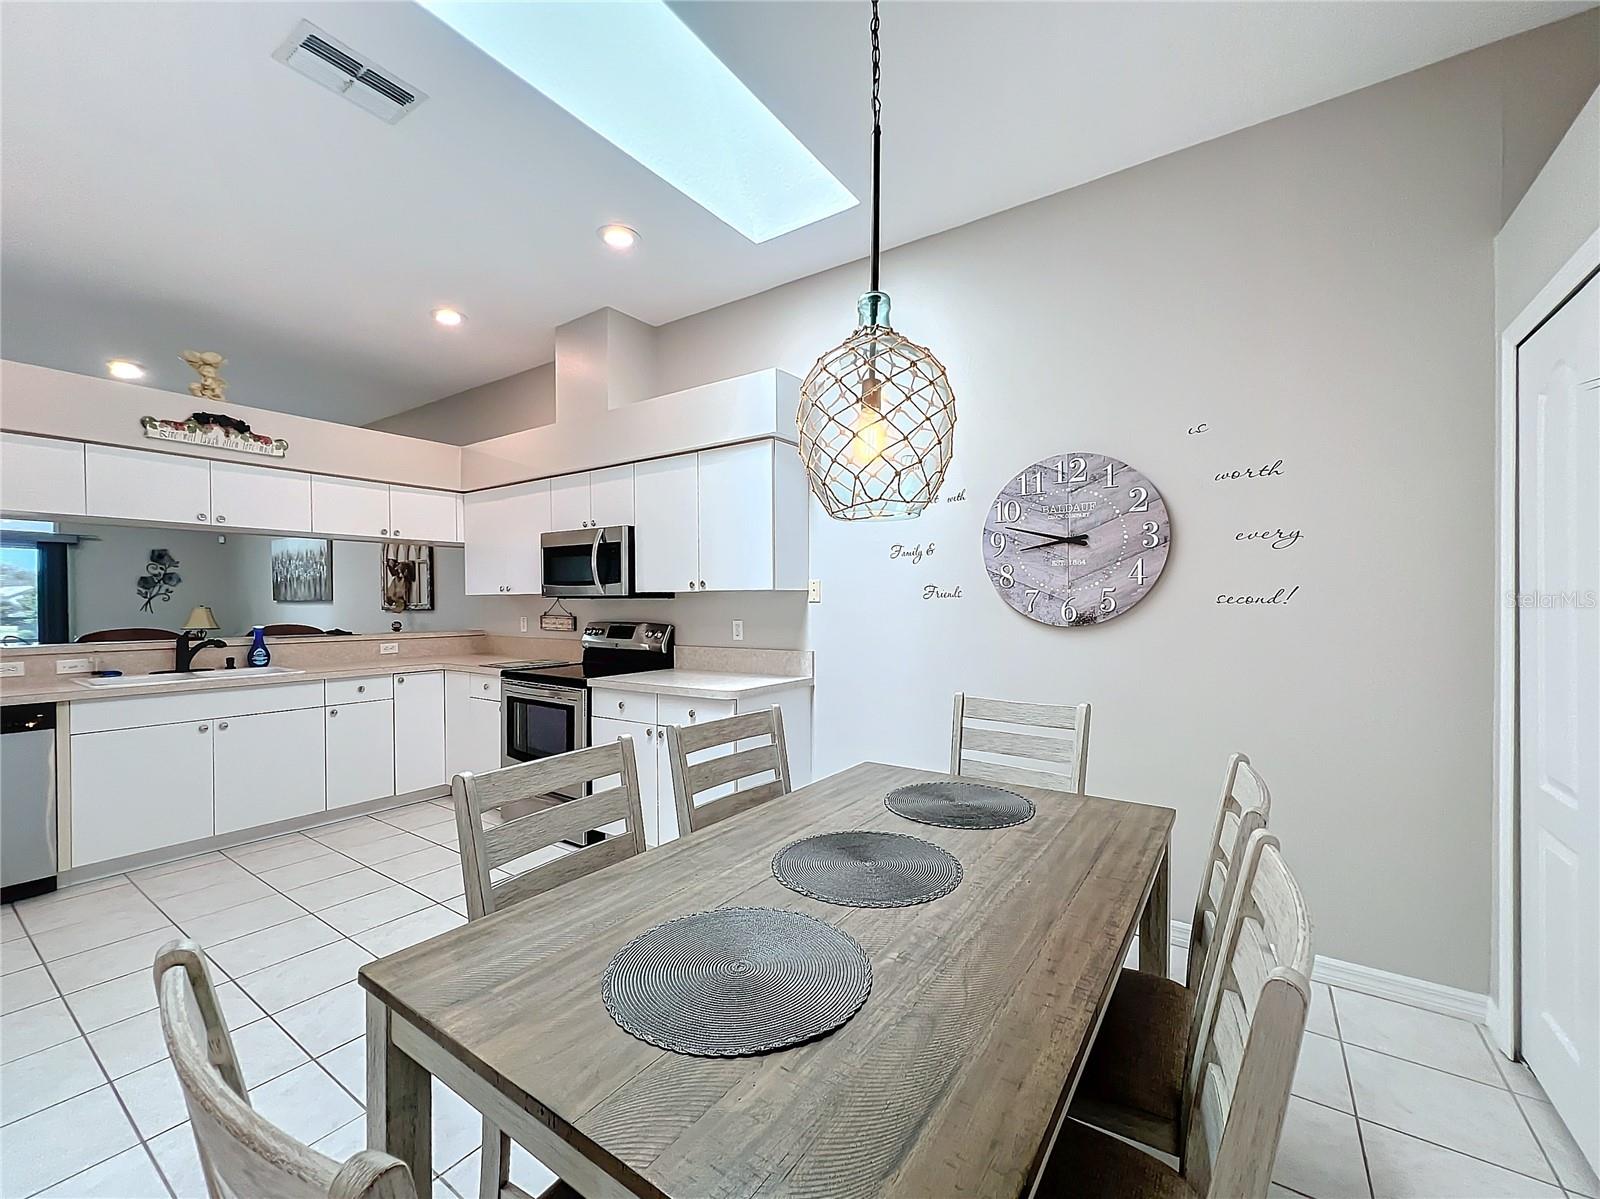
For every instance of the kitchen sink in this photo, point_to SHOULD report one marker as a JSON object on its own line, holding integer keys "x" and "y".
{"x": 153, "y": 680}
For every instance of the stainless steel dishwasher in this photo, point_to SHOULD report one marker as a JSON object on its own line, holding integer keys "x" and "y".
{"x": 27, "y": 800}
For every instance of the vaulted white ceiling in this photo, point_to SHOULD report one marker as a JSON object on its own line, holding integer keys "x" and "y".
{"x": 167, "y": 185}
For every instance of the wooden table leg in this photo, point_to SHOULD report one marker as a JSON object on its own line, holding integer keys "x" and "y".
{"x": 1155, "y": 924}
{"x": 399, "y": 1100}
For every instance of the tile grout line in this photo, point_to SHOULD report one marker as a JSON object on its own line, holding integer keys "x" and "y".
{"x": 1350, "y": 1083}
{"x": 1516, "y": 1100}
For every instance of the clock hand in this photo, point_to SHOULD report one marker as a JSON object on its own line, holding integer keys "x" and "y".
{"x": 1051, "y": 538}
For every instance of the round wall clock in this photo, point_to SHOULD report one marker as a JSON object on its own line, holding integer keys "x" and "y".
{"x": 1076, "y": 539}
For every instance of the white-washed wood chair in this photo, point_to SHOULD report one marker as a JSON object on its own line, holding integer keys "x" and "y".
{"x": 689, "y": 781}
{"x": 1238, "y": 1081}
{"x": 242, "y": 1154}
{"x": 1132, "y": 1083}
{"x": 487, "y": 851}
{"x": 1056, "y": 760}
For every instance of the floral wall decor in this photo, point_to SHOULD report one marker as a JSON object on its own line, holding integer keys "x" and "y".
{"x": 159, "y": 580}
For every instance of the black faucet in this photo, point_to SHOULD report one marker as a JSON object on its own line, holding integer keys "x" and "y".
{"x": 185, "y": 649}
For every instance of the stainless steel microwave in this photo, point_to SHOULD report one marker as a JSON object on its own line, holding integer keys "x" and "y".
{"x": 588, "y": 562}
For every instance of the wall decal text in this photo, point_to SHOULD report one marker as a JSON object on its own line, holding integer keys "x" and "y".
{"x": 912, "y": 553}
{"x": 1278, "y": 539}
{"x": 1281, "y": 596}
{"x": 1271, "y": 471}
{"x": 931, "y": 592}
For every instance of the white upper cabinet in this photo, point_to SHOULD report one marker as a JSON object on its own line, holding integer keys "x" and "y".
{"x": 253, "y": 497}
{"x": 569, "y": 502}
{"x": 133, "y": 485}
{"x": 611, "y": 496}
{"x": 503, "y": 526}
{"x": 40, "y": 475}
{"x": 666, "y": 547}
{"x": 349, "y": 507}
{"x": 735, "y": 515}
{"x": 421, "y": 514}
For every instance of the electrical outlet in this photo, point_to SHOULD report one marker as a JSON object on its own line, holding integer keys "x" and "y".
{"x": 738, "y": 630}
{"x": 74, "y": 666}
{"x": 814, "y": 596}
{"x": 524, "y": 624}
{"x": 10, "y": 669}
{"x": 388, "y": 647}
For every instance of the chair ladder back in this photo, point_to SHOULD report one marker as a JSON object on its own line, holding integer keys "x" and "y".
{"x": 1019, "y": 755}
{"x": 1245, "y": 806}
{"x": 720, "y": 771}
{"x": 243, "y": 1154}
{"x": 1237, "y": 1084}
{"x": 488, "y": 850}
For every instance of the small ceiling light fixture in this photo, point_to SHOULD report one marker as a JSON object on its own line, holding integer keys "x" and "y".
{"x": 123, "y": 368}
{"x": 450, "y": 318}
{"x": 619, "y": 237}
{"x": 877, "y": 416}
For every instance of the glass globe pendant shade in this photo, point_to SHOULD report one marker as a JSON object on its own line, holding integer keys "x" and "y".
{"x": 877, "y": 422}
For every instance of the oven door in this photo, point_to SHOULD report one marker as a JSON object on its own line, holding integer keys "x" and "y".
{"x": 541, "y": 722}
{"x": 588, "y": 562}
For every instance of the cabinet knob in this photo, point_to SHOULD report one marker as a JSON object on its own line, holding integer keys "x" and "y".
{"x": 362, "y": 689}
{"x": 205, "y": 728}
{"x": 396, "y": 532}
{"x": 400, "y": 678}
{"x": 385, "y": 532}
{"x": 649, "y": 734}
{"x": 199, "y": 515}
{"x": 621, "y": 707}
{"x": 222, "y": 726}
{"x": 222, "y": 520}
{"x": 691, "y": 584}
{"x": 691, "y": 713}
{"x": 486, "y": 686}
{"x": 333, "y": 711}
{"x": 702, "y": 584}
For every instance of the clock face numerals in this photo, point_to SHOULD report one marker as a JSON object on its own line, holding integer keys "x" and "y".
{"x": 1076, "y": 539}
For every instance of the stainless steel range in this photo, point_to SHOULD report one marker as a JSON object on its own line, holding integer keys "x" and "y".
{"x": 544, "y": 707}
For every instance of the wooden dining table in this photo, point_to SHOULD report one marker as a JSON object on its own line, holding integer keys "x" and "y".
{"x": 950, "y": 1080}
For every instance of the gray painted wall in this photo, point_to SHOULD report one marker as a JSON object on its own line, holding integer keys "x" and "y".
{"x": 525, "y": 400}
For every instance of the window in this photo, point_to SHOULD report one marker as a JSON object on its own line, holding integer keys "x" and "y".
{"x": 33, "y": 584}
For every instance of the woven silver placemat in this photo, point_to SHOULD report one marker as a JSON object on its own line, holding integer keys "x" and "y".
{"x": 736, "y": 981}
{"x": 862, "y": 869}
{"x": 951, "y": 804}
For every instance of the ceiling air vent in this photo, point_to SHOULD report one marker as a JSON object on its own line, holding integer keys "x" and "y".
{"x": 340, "y": 69}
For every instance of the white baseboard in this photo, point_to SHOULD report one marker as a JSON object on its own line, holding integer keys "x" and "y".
{"x": 1402, "y": 988}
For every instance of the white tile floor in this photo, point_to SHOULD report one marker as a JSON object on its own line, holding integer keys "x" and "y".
{"x": 1390, "y": 1102}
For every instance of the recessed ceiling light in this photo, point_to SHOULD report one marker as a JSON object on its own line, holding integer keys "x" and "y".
{"x": 449, "y": 317}
{"x": 122, "y": 368}
{"x": 618, "y": 237}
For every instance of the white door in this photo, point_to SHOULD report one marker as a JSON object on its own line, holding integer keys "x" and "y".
{"x": 736, "y": 518}
{"x": 418, "y": 731}
{"x": 253, "y": 497}
{"x": 349, "y": 507}
{"x": 133, "y": 485}
{"x": 502, "y": 538}
{"x": 139, "y": 789}
{"x": 422, "y": 514}
{"x": 666, "y": 544}
{"x": 1558, "y": 639}
{"x": 268, "y": 767}
{"x": 569, "y": 502}
{"x": 611, "y": 495}
{"x": 603, "y": 731}
{"x": 40, "y": 476}
{"x": 360, "y": 752}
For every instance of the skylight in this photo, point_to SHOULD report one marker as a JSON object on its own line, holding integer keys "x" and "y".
{"x": 636, "y": 75}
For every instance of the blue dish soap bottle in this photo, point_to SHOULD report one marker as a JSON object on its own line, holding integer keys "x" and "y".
{"x": 259, "y": 655}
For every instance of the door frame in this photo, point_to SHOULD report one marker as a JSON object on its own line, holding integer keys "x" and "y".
{"x": 1505, "y": 1001}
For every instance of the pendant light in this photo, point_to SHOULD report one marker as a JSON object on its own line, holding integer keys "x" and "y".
{"x": 877, "y": 417}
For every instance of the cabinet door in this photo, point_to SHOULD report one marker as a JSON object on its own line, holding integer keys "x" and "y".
{"x": 349, "y": 507}
{"x": 483, "y": 735}
{"x": 735, "y": 514}
{"x": 471, "y": 723}
{"x": 603, "y": 731}
{"x": 133, "y": 485}
{"x": 360, "y": 752}
{"x": 40, "y": 476}
{"x": 666, "y": 549}
{"x": 418, "y": 731}
{"x": 420, "y": 514}
{"x": 569, "y": 502}
{"x": 268, "y": 767}
{"x": 139, "y": 789}
{"x": 502, "y": 538}
{"x": 611, "y": 495}
{"x": 253, "y": 497}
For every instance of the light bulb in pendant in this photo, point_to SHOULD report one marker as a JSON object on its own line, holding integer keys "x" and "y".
{"x": 869, "y": 431}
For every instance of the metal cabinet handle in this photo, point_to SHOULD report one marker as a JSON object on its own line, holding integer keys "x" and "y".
{"x": 333, "y": 711}
{"x": 486, "y": 686}
{"x": 691, "y": 584}
{"x": 222, "y": 726}
{"x": 702, "y": 584}
{"x": 649, "y": 734}
{"x": 621, "y": 707}
{"x": 361, "y": 690}
{"x": 691, "y": 713}
{"x": 221, "y": 520}
{"x": 399, "y": 678}
{"x": 385, "y": 532}
{"x": 205, "y": 728}
{"x": 199, "y": 515}
{"x": 396, "y": 532}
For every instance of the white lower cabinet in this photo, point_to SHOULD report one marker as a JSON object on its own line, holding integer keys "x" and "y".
{"x": 660, "y": 821}
{"x": 266, "y": 768}
{"x": 140, "y": 789}
{"x": 419, "y": 731}
{"x": 471, "y": 724}
{"x": 360, "y": 752}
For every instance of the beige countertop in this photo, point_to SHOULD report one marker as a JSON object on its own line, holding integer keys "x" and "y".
{"x": 65, "y": 690}
{"x": 702, "y": 684}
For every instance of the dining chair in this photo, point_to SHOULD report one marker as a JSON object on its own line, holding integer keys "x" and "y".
{"x": 487, "y": 851}
{"x": 1027, "y": 759}
{"x": 242, "y": 1154}
{"x": 1237, "y": 1085}
{"x": 720, "y": 771}
{"x": 1132, "y": 1083}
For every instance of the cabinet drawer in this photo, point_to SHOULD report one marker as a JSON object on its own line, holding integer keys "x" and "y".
{"x": 355, "y": 691}
{"x": 134, "y": 712}
{"x": 622, "y": 705}
{"x": 679, "y": 709}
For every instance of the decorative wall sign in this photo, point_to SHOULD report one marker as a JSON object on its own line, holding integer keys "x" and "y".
{"x": 302, "y": 570}
{"x": 405, "y": 576}
{"x": 207, "y": 429}
{"x": 159, "y": 580}
{"x": 1076, "y": 539}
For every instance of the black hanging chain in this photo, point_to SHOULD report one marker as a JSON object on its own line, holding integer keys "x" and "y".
{"x": 877, "y": 136}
